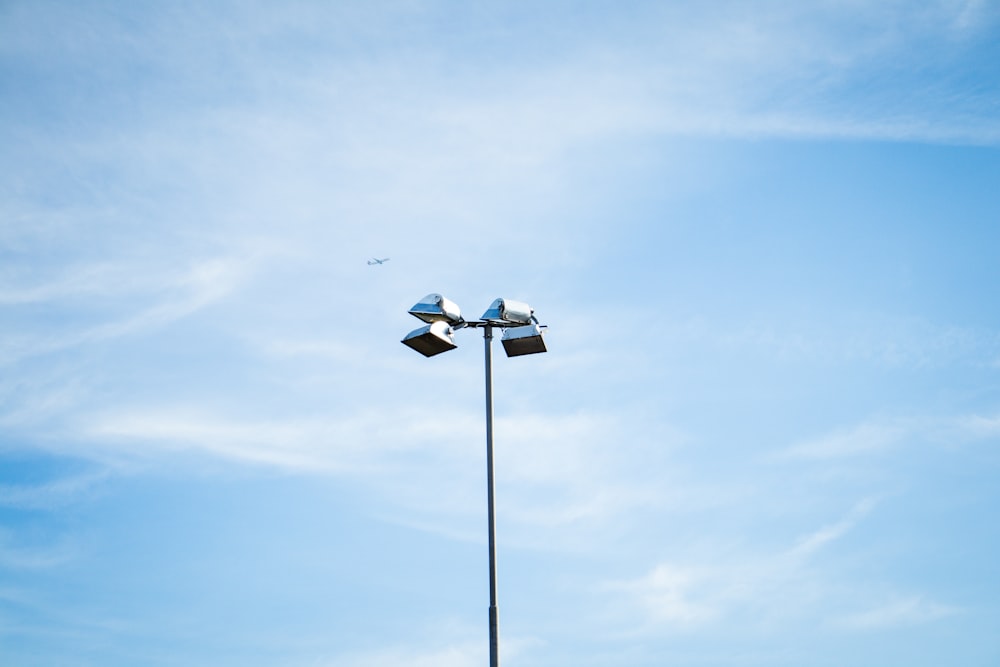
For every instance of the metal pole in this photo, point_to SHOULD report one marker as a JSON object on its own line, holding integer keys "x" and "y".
{"x": 494, "y": 621}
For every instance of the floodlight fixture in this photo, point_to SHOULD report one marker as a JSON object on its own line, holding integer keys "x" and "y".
{"x": 505, "y": 313}
{"x": 432, "y": 339}
{"x": 523, "y": 340}
{"x": 436, "y": 308}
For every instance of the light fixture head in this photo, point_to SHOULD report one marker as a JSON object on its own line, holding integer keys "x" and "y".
{"x": 432, "y": 339}
{"x": 523, "y": 340}
{"x": 436, "y": 308}
{"x": 504, "y": 312}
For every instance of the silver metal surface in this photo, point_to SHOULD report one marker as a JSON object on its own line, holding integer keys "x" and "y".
{"x": 436, "y": 308}
{"x": 504, "y": 312}
{"x": 491, "y": 517}
{"x": 432, "y": 339}
{"x": 522, "y": 340}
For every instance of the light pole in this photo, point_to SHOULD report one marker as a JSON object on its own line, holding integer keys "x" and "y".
{"x": 522, "y": 334}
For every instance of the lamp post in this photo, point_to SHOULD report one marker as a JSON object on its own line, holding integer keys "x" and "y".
{"x": 522, "y": 334}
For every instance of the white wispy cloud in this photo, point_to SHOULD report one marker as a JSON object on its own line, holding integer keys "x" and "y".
{"x": 363, "y": 442}
{"x": 866, "y": 438}
{"x": 747, "y": 70}
{"x": 901, "y": 611}
{"x": 971, "y": 15}
{"x": 463, "y": 652}
{"x": 98, "y": 279}
{"x": 199, "y": 286}
{"x": 674, "y": 596}
{"x": 757, "y": 588}
{"x": 40, "y": 615}
{"x": 879, "y": 340}
{"x": 980, "y": 426}
{"x": 734, "y": 70}
{"x": 53, "y": 494}
{"x": 817, "y": 540}
{"x": 16, "y": 556}
{"x": 883, "y": 435}
{"x": 174, "y": 295}
{"x": 565, "y": 480}
{"x": 579, "y": 471}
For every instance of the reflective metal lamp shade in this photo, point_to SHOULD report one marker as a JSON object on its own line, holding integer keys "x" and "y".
{"x": 523, "y": 340}
{"x": 432, "y": 339}
{"x": 436, "y": 308}
{"x": 505, "y": 312}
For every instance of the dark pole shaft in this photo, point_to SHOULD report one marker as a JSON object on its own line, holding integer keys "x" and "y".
{"x": 494, "y": 621}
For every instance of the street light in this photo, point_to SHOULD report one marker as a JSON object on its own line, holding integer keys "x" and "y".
{"x": 522, "y": 334}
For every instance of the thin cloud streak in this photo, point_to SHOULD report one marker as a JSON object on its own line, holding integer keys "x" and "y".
{"x": 863, "y": 439}
{"x": 189, "y": 291}
{"x": 456, "y": 653}
{"x": 769, "y": 589}
{"x": 900, "y": 612}
{"x": 879, "y": 341}
{"x": 883, "y": 436}
{"x": 355, "y": 444}
{"x": 21, "y": 557}
{"x": 816, "y": 541}
{"x": 465, "y": 654}
{"x": 51, "y": 495}
{"x": 426, "y": 468}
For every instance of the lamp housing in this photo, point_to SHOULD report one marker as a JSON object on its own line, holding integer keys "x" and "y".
{"x": 432, "y": 339}
{"x": 436, "y": 308}
{"x": 518, "y": 341}
{"x": 505, "y": 312}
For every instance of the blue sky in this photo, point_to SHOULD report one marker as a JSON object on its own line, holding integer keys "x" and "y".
{"x": 762, "y": 234}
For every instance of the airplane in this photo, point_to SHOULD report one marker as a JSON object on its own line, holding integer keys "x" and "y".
{"x": 374, "y": 260}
